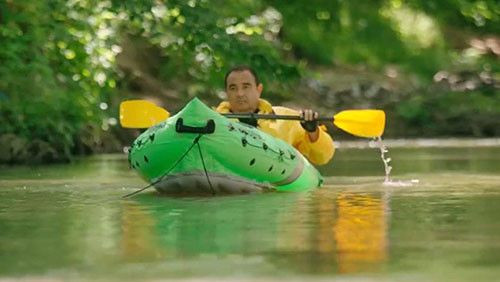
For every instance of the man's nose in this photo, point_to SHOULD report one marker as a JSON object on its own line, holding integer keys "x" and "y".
{"x": 240, "y": 92}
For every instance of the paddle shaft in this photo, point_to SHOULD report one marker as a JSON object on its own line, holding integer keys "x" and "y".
{"x": 363, "y": 123}
{"x": 271, "y": 116}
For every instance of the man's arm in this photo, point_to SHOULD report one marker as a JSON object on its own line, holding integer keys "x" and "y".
{"x": 318, "y": 145}
{"x": 321, "y": 150}
{"x": 310, "y": 124}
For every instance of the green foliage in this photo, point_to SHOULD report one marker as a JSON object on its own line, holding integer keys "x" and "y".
{"x": 472, "y": 113}
{"x": 480, "y": 16}
{"x": 52, "y": 84}
{"x": 200, "y": 40}
{"x": 59, "y": 72}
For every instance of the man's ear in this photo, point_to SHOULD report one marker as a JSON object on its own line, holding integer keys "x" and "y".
{"x": 260, "y": 87}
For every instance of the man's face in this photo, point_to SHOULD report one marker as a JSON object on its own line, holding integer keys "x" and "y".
{"x": 242, "y": 93}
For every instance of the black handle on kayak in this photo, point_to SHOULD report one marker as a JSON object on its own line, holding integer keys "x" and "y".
{"x": 271, "y": 116}
{"x": 207, "y": 129}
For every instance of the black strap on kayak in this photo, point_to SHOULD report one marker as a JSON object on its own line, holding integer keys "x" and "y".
{"x": 209, "y": 128}
{"x": 195, "y": 141}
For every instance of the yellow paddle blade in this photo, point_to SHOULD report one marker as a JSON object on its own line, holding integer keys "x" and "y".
{"x": 141, "y": 114}
{"x": 363, "y": 123}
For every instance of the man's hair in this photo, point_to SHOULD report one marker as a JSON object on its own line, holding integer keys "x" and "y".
{"x": 241, "y": 68}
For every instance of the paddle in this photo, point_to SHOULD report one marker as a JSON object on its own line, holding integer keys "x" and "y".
{"x": 141, "y": 114}
{"x": 362, "y": 123}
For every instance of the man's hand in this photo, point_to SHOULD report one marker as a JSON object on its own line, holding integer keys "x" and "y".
{"x": 310, "y": 124}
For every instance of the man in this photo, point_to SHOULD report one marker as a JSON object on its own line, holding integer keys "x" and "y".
{"x": 243, "y": 93}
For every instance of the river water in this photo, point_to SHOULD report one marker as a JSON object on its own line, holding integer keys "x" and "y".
{"x": 68, "y": 222}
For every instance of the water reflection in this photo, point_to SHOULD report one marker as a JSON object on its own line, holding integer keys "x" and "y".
{"x": 360, "y": 232}
{"x": 318, "y": 232}
{"x": 138, "y": 240}
{"x": 69, "y": 222}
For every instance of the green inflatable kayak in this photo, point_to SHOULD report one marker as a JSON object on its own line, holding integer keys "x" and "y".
{"x": 199, "y": 151}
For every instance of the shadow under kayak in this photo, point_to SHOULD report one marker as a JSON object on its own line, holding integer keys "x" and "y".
{"x": 199, "y": 151}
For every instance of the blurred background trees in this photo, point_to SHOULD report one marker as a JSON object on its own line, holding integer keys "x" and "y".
{"x": 433, "y": 65}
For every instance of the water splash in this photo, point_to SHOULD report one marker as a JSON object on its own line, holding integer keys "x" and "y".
{"x": 377, "y": 142}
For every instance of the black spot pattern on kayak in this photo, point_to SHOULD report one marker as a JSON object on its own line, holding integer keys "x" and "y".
{"x": 152, "y": 137}
{"x": 137, "y": 164}
{"x": 281, "y": 156}
{"x": 158, "y": 126}
{"x": 252, "y": 162}
{"x": 146, "y": 159}
{"x": 250, "y": 136}
{"x": 270, "y": 168}
{"x": 283, "y": 171}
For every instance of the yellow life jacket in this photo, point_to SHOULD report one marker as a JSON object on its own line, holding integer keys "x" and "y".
{"x": 318, "y": 152}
